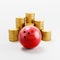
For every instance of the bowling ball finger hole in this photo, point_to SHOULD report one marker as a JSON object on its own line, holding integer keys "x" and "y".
{"x": 24, "y": 36}
{"x": 28, "y": 32}
{"x": 24, "y": 31}
{"x": 34, "y": 24}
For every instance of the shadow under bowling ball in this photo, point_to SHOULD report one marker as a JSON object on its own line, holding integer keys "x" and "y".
{"x": 34, "y": 50}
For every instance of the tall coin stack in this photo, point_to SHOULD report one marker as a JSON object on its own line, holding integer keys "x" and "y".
{"x": 29, "y": 19}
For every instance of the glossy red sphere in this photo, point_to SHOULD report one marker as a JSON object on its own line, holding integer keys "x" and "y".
{"x": 29, "y": 36}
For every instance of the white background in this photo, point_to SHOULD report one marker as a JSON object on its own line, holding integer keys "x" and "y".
{"x": 47, "y": 10}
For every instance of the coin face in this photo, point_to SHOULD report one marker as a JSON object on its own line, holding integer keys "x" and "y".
{"x": 29, "y": 36}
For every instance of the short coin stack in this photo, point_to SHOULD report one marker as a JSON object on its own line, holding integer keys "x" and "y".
{"x": 29, "y": 19}
{"x": 46, "y": 35}
{"x": 13, "y": 35}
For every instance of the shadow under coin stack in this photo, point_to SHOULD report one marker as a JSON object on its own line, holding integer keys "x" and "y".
{"x": 29, "y": 19}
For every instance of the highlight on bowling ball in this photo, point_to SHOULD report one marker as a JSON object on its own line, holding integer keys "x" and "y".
{"x": 29, "y": 36}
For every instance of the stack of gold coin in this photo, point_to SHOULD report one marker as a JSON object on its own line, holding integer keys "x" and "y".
{"x": 39, "y": 24}
{"x": 31, "y": 24}
{"x": 13, "y": 35}
{"x": 30, "y": 17}
{"x": 46, "y": 35}
{"x": 19, "y": 23}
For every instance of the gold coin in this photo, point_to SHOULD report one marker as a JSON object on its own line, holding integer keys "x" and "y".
{"x": 28, "y": 24}
{"x": 13, "y": 35}
{"x": 20, "y": 20}
{"x": 29, "y": 21}
{"x": 30, "y": 17}
{"x": 46, "y": 35}
{"x": 19, "y": 23}
{"x": 39, "y": 24}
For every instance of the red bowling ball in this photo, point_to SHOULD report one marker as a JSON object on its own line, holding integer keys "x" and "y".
{"x": 29, "y": 37}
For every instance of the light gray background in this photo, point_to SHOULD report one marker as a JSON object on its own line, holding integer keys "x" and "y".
{"x": 47, "y": 10}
